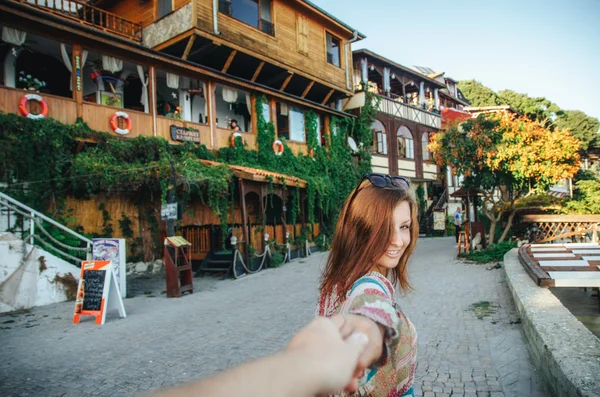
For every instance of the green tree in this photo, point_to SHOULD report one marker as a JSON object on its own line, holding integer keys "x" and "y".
{"x": 477, "y": 94}
{"x": 505, "y": 157}
{"x": 581, "y": 126}
{"x": 537, "y": 109}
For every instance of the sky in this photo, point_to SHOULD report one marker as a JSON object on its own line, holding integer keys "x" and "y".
{"x": 548, "y": 48}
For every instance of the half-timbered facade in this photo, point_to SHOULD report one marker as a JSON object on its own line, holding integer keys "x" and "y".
{"x": 408, "y": 113}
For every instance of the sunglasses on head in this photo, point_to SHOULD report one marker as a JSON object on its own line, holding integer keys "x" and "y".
{"x": 380, "y": 181}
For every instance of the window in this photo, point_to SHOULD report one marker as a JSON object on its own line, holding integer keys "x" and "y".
{"x": 266, "y": 111}
{"x": 256, "y": 13}
{"x": 425, "y": 143}
{"x": 297, "y": 132}
{"x": 164, "y": 7}
{"x": 406, "y": 147}
{"x": 333, "y": 50}
{"x": 380, "y": 137}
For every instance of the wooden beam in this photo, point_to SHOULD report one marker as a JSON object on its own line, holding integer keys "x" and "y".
{"x": 286, "y": 82}
{"x": 174, "y": 40}
{"x": 257, "y": 72}
{"x": 327, "y": 97}
{"x": 189, "y": 46}
{"x": 306, "y": 91}
{"x": 229, "y": 60}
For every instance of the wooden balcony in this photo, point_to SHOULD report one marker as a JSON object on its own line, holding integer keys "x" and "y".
{"x": 400, "y": 110}
{"x": 88, "y": 15}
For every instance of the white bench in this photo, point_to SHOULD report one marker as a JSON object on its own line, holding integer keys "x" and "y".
{"x": 554, "y": 255}
{"x": 576, "y": 279}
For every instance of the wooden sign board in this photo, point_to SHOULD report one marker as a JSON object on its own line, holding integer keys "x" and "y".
{"x": 439, "y": 220}
{"x": 98, "y": 292}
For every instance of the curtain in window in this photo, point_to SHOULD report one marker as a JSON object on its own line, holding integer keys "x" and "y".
{"x": 111, "y": 64}
{"x": 249, "y": 102}
{"x": 425, "y": 143}
{"x": 266, "y": 110}
{"x": 13, "y": 36}
{"x": 173, "y": 81}
{"x": 230, "y": 95}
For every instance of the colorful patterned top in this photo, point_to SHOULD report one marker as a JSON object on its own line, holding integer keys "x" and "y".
{"x": 372, "y": 296}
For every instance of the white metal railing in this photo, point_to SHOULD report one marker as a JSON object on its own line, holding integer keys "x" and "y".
{"x": 402, "y": 110}
{"x": 35, "y": 220}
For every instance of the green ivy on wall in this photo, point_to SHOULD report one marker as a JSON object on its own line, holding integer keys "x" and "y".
{"x": 42, "y": 160}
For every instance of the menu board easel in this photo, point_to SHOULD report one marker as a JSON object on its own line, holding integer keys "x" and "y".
{"x": 98, "y": 292}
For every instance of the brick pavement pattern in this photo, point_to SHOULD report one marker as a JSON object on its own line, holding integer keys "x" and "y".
{"x": 164, "y": 342}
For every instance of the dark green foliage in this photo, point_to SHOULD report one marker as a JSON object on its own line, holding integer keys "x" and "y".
{"x": 493, "y": 253}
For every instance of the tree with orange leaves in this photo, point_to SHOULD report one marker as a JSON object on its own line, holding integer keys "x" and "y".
{"x": 505, "y": 157}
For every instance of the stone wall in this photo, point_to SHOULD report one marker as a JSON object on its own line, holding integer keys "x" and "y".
{"x": 565, "y": 353}
{"x": 168, "y": 27}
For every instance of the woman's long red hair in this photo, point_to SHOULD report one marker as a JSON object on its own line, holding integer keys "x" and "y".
{"x": 363, "y": 234}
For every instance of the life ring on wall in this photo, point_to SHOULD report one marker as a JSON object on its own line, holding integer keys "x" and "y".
{"x": 114, "y": 125}
{"x": 278, "y": 147}
{"x": 235, "y": 135}
{"x": 28, "y": 114}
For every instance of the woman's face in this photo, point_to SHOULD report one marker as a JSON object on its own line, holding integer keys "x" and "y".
{"x": 400, "y": 238}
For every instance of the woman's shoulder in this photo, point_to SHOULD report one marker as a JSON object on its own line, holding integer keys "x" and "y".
{"x": 373, "y": 282}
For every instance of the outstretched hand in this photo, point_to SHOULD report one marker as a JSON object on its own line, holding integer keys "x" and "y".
{"x": 333, "y": 355}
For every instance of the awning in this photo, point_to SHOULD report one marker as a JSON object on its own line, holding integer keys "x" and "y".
{"x": 258, "y": 175}
{"x": 462, "y": 192}
{"x": 450, "y": 115}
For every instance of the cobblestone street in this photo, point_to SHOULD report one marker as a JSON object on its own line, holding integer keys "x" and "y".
{"x": 163, "y": 341}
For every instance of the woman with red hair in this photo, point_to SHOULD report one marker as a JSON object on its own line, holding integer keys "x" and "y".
{"x": 376, "y": 233}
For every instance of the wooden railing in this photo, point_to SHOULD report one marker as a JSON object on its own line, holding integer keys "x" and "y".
{"x": 547, "y": 228}
{"x": 411, "y": 113}
{"x": 90, "y": 16}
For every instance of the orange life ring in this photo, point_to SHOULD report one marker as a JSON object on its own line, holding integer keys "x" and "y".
{"x": 115, "y": 127}
{"x": 235, "y": 135}
{"x": 33, "y": 97}
{"x": 278, "y": 147}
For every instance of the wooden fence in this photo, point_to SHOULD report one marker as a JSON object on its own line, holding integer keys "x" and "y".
{"x": 547, "y": 228}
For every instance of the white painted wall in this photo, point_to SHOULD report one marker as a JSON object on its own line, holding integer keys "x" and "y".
{"x": 22, "y": 284}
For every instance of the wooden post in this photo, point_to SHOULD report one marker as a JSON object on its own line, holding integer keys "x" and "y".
{"x": 244, "y": 222}
{"x": 254, "y": 115}
{"x": 261, "y": 207}
{"x": 273, "y": 109}
{"x": 77, "y": 76}
{"x": 327, "y": 130}
{"x": 152, "y": 95}
{"x": 211, "y": 105}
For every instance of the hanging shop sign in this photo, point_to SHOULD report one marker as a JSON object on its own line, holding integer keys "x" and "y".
{"x": 183, "y": 134}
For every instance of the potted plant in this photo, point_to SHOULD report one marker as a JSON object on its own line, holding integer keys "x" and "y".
{"x": 29, "y": 82}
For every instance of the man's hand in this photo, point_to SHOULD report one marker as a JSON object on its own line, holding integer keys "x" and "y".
{"x": 332, "y": 355}
{"x": 354, "y": 323}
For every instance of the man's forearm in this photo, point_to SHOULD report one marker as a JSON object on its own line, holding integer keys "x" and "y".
{"x": 284, "y": 374}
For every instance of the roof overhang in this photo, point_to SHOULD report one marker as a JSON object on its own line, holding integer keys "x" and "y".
{"x": 258, "y": 175}
{"x": 401, "y": 68}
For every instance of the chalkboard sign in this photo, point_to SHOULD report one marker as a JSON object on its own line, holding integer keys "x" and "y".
{"x": 93, "y": 291}
{"x": 98, "y": 291}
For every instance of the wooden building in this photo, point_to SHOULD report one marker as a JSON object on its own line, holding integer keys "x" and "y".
{"x": 156, "y": 67}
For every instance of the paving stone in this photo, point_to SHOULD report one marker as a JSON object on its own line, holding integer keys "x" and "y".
{"x": 225, "y": 323}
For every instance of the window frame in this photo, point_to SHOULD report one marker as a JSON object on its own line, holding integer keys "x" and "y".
{"x": 405, "y": 144}
{"x": 260, "y": 18}
{"x": 328, "y": 34}
{"x": 158, "y": 16}
{"x": 384, "y": 147}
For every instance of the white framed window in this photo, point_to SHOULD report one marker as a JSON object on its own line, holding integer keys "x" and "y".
{"x": 266, "y": 110}
{"x": 406, "y": 148}
{"x": 424, "y": 144}
{"x": 381, "y": 138}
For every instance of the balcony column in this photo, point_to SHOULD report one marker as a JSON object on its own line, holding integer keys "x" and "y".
{"x": 422, "y": 94}
{"x": 386, "y": 80}
{"x": 364, "y": 70}
{"x": 77, "y": 76}
{"x": 436, "y": 96}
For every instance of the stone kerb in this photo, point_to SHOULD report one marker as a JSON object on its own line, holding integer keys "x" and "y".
{"x": 564, "y": 352}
